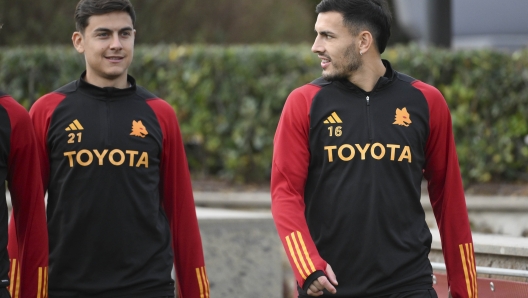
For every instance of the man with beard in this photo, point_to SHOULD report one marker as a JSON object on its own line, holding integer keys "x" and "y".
{"x": 350, "y": 152}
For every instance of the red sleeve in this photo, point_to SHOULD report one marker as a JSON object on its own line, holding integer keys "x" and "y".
{"x": 40, "y": 114}
{"x": 447, "y": 196}
{"x": 291, "y": 157}
{"x": 178, "y": 202}
{"x": 29, "y": 257}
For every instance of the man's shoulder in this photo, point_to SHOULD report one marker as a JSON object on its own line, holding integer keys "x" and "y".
{"x": 427, "y": 89}
{"x": 4, "y": 97}
{"x": 411, "y": 80}
{"x": 10, "y": 104}
{"x": 68, "y": 88}
{"x": 405, "y": 77}
{"x": 430, "y": 91}
{"x": 319, "y": 82}
{"x": 431, "y": 94}
{"x": 15, "y": 111}
{"x": 152, "y": 100}
{"x": 300, "y": 99}
{"x": 51, "y": 100}
{"x": 309, "y": 90}
{"x": 160, "y": 107}
{"x": 143, "y": 93}
{"x": 58, "y": 93}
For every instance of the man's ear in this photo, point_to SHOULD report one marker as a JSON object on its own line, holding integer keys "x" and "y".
{"x": 366, "y": 41}
{"x": 78, "y": 41}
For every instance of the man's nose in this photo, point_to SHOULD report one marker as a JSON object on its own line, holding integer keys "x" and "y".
{"x": 317, "y": 46}
{"x": 116, "y": 42}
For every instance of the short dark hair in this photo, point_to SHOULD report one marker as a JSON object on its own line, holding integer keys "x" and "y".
{"x": 87, "y": 8}
{"x": 371, "y": 15}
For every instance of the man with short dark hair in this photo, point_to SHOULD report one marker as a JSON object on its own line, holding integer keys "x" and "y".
{"x": 19, "y": 166}
{"x": 350, "y": 152}
{"x": 120, "y": 203}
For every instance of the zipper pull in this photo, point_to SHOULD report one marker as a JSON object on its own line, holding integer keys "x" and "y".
{"x": 368, "y": 101}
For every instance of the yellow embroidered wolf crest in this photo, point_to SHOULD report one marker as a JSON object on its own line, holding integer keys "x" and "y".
{"x": 402, "y": 117}
{"x": 138, "y": 129}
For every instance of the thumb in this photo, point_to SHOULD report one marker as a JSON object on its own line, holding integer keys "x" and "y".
{"x": 331, "y": 275}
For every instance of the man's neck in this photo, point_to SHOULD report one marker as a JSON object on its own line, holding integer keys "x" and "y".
{"x": 120, "y": 82}
{"x": 368, "y": 74}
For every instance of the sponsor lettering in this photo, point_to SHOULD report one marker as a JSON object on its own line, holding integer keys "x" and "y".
{"x": 378, "y": 151}
{"x": 116, "y": 157}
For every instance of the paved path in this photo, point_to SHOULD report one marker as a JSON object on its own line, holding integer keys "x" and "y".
{"x": 262, "y": 200}
{"x": 245, "y": 200}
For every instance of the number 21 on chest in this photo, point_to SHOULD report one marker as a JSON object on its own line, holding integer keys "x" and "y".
{"x": 72, "y": 137}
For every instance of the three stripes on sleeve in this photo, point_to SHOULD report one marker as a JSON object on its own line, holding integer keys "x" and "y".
{"x": 14, "y": 287}
{"x": 468, "y": 264}
{"x": 299, "y": 254}
{"x": 203, "y": 282}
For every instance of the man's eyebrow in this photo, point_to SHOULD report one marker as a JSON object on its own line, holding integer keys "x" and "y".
{"x": 102, "y": 29}
{"x": 324, "y": 32}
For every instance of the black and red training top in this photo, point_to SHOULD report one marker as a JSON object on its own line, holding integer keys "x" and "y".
{"x": 346, "y": 184}
{"x": 120, "y": 205}
{"x": 27, "y": 262}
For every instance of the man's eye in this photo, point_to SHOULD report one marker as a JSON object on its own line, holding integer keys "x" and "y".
{"x": 126, "y": 33}
{"x": 102, "y": 34}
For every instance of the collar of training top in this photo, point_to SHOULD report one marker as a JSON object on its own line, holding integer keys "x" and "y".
{"x": 106, "y": 92}
{"x": 383, "y": 81}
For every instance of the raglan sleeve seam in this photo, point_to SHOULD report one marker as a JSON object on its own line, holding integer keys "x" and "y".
{"x": 178, "y": 203}
{"x": 447, "y": 196}
{"x": 288, "y": 195}
{"x": 28, "y": 219}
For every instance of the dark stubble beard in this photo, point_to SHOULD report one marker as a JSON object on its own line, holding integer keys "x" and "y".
{"x": 343, "y": 71}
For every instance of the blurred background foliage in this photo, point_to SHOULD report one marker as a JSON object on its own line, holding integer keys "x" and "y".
{"x": 229, "y": 98}
{"x": 50, "y": 22}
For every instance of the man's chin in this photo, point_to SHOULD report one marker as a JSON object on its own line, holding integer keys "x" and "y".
{"x": 329, "y": 76}
{"x": 114, "y": 75}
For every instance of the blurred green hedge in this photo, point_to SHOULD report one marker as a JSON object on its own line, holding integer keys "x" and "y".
{"x": 229, "y": 99}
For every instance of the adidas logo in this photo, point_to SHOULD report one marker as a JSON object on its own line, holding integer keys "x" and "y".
{"x": 75, "y": 125}
{"x": 333, "y": 118}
